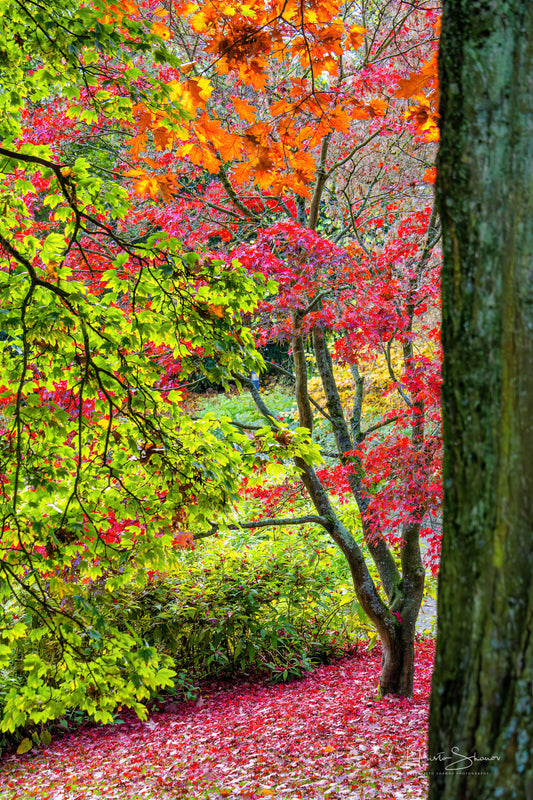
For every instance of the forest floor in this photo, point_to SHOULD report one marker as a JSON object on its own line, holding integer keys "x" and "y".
{"x": 328, "y": 735}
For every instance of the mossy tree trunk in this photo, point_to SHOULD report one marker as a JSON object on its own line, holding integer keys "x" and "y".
{"x": 482, "y": 695}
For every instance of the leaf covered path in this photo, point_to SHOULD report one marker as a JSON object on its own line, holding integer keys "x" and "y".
{"x": 328, "y": 735}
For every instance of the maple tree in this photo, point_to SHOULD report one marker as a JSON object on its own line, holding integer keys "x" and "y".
{"x": 170, "y": 176}
{"x": 290, "y": 150}
{"x": 481, "y": 700}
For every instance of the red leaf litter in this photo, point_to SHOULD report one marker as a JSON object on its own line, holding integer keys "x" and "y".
{"x": 328, "y": 735}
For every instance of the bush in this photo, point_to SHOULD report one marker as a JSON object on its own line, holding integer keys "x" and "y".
{"x": 267, "y": 608}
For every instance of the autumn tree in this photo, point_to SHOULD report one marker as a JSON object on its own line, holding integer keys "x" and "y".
{"x": 480, "y": 724}
{"x": 298, "y": 150}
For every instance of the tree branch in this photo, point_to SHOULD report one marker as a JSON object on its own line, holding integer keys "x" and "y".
{"x": 266, "y": 523}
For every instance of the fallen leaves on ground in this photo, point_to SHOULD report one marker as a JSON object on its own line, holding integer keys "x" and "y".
{"x": 328, "y": 735}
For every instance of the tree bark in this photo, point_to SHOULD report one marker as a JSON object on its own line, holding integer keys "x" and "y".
{"x": 481, "y": 703}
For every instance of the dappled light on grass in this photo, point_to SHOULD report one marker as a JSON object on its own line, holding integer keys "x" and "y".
{"x": 328, "y": 735}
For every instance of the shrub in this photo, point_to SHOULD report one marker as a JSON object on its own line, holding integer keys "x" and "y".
{"x": 268, "y": 607}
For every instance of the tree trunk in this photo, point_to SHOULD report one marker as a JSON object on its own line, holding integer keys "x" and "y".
{"x": 481, "y": 720}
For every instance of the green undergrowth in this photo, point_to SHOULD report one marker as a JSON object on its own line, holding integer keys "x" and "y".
{"x": 275, "y": 605}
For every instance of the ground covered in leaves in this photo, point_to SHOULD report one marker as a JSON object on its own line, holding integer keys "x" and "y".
{"x": 328, "y": 735}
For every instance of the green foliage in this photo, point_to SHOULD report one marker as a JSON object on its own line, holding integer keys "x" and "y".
{"x": 266, "y": 606}
{"x": 100, "y": 469}
{"x": 45, "y": 52}
{"x": 262, "y": 603}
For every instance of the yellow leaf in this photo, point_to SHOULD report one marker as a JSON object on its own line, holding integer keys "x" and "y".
{"x": 160, "y": 12}
{"x": 24, "y": 747}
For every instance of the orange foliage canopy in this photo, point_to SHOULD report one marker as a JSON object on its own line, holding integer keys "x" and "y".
{"x": 285, "y": 61}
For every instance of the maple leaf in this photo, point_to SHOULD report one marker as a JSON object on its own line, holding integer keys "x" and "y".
{"x": 162, "y": 138}
{"x": 377, "y": 107}
{"x": 208, "y": 129}
{"x": 146, "y": 185}
{"x": 356, "y": 36}
{"x": 199, "y": 91}
{"x": 201, "y": 156}
{"x": 430, "y": 175}
{"x": 254, "y": 73}
{"x": 137, "y": 144}
{"x": 167, "y": 185}
{"x": 245, "y": 111}
{"x": 216, "y": 311}
{"x": 51, "y": 271}
{"x": 280, "y": 107}
{"x": 426, "y": 77}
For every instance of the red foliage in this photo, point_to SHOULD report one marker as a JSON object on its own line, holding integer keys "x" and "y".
{"x": 328, "y": 735}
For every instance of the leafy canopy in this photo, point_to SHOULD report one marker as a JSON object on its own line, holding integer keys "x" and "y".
{"x": 102, "y": 473}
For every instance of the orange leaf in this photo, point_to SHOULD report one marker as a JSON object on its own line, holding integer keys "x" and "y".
{"x": 167, "y": 186}
{"x": 51, "y": 271}
{"x": 216, "y": 311}
{"x": 377, "y": 107}
{"x": 161, "y": 30}
{"x": 229, "y": 146}
{"x": 137, "y": 144}
{"x": 199, "y": 91}
{"x": 419, "y": 82}
{"x": 128, "y": 7}
{"x": 162, "y": 138}
{"x": 280, "y": 107}
{"x": 201, "y": 156}
{"x": 244, "y": 109}
{"x": 146, "y": 185}
{"x": 356, "y": 35}
{"x": 184, "y": 540}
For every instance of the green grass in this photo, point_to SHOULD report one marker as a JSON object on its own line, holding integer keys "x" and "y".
{"x": 241, "y": 407}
